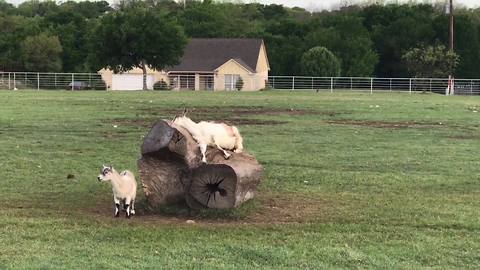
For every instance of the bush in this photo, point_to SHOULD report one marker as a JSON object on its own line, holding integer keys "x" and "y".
{"x": 160, "y": 85}
{"x": 319, "y": 61}
{"x": 239, "y": 84}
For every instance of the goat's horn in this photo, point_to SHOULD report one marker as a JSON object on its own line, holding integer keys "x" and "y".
{"x": 184, "y": 111}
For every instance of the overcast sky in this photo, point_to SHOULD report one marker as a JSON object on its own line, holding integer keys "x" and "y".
{"x": 327, "y": 4}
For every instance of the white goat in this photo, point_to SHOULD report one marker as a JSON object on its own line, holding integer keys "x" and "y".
{"x": 124, "y": 188}
{"x": 218, "y": 135}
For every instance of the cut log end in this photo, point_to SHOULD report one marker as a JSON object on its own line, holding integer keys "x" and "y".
{"x": 212, "y": 186}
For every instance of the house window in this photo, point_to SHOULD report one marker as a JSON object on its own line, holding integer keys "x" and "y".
{"x": 231, "y": 81}
{"x": 206, "y": 82}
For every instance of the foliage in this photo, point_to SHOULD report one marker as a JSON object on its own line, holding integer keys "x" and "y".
{"x": 239, "y": 84}
{"x": 137, "y": 37}
{"x": 320, "y": 62}
{"x": 431, "y": 61}
{"x": 349, "y": 40}
{"x": 160, "y": 85}
{"x": 42, "y": 53}
{"x": 368, "y": 40}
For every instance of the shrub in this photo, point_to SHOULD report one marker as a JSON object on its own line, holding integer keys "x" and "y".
{"x": 239, "y": 84}
{"x": 160, "y": 85}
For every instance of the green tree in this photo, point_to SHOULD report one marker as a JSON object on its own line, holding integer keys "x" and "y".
{"x": 13, "y": 30}
{"x": 6, "y": 8}
{"x": 431, "y": 61}
{"x": 204, "y": 20}
{"x": 72, "y": 30}
{"x": 319, "y": 61}
{"x": 136, "y": 37}
{"x": 34, "y": 8}
{"x": 394, "y": 30}
{"x": 42, "y": 53}
{"x": 349, "y": 40}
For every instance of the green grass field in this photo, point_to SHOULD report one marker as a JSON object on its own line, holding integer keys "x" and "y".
{"x": 352, "y": 180}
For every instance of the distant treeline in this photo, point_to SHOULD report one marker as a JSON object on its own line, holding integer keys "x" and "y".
{"x": 367, "y": 40}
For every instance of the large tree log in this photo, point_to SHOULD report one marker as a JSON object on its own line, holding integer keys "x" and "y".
{"x": 168, "y": 154}
{"x": 171, "y": 170}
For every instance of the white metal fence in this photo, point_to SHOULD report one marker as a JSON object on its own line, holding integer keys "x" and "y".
{"x": 460, "y": 86}
{"x": 93, "y": 81}
{"x": 54, "y": 81}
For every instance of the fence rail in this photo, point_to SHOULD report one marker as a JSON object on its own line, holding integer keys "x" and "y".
{"x": 436, "y": 85}
{"x": 83, "y": 81}
{"x": 53, "y": 81}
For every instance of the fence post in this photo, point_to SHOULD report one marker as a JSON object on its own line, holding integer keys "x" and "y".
{"x": 331, "y": 84}
{"x": 430, "y": 85}
{"x": 273, "y": 82}
{"x": 371, "y": 85}
{"x": 293, "y": 83}
{"x": 9, "y": 81}
{"x": 312, "y": 83}
{"x": 351, "y": 83}
{"x": 471, "y": 87}
{"x": 410, "y": 86}
{"x": 55, "y": 81}
{"x": 14, "y": 79}
{"x": 73, "y": 77}
{"x": 38, "y": 81}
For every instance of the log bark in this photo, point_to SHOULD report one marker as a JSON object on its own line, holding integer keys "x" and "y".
{"x": 168, "y": 154}
{"x": 171, "y": 170}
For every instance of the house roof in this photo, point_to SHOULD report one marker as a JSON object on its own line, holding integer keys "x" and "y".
{"x": 207, "y": 54}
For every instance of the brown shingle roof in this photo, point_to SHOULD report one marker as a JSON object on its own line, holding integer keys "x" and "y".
{"x": 207, "y": 54}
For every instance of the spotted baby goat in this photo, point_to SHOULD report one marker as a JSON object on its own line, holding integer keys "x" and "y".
{"x": 124, "y": 188}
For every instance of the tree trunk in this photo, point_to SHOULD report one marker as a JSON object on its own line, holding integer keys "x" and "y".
{"x": 144, "y": 69}
{"x": 171, "y": 170}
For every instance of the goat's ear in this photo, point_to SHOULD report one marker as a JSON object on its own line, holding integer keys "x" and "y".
{"x": 175, "y": 117}
{"x": 110, "y": 168}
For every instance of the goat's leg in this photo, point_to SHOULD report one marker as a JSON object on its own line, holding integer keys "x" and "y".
{"x": 132, "y": 209}
{"x": 225, "y": 153}
{"x": 117, "y": 206}
{"x": 203, "y": 149}
{"x": 127, "y": 207}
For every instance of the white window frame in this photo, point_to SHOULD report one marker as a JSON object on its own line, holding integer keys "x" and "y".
{"x": 233, "y": 78}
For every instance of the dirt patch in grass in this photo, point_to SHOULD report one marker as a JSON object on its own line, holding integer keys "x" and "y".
{"x": 147, "y": 123}
{"x": 290, "y": 208}
{"x": 387, "y": 124}
{"x": 240, "y": 115}
{"x": 464, "y": 137}
{"x": 209, "y": 112}
{"x": 270, "y": 208}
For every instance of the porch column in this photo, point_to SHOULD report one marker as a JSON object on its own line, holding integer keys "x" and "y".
{"x": 197, "y": 81}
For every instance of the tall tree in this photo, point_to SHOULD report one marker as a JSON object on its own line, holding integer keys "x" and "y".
{"x": 42, "y": 53}
{"x": 13, "y": 30}
{"x": 137, "y": 37}
{"x": 349, "y": 40}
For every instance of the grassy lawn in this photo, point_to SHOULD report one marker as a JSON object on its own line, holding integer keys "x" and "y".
{"x": 352, "y": 180}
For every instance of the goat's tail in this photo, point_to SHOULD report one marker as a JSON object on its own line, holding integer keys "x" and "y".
{"x": 238, "y": 140}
